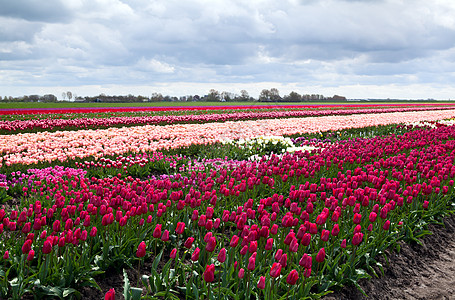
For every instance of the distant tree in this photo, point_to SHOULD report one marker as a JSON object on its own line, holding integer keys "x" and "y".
{"x": 275, "y": 95}
{"x": 64, "y": 95}
{"x": 293, "y": 97}
{"x": 264, "y": 96}
{"x": 49, "y": 98}
{"x": 227, "y": 96}
{"x": 244, "y": 96}
{"x": 69, "y": 95}
{"x": 213, "y": 95}
{"x": 156, "y": 97}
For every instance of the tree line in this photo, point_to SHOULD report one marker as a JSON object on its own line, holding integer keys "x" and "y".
{"x": 266, "y": 95}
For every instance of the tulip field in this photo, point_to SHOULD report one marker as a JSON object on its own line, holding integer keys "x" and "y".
{"x": 290, "y": 202}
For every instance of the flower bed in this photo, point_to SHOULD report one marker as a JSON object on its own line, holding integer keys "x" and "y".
{"x": 295, "y": 224}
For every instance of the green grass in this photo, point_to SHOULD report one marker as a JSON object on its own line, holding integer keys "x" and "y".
{"x": 19, "y": 105}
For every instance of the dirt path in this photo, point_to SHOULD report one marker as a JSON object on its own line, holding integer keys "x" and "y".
{"x": 417, "y": 272}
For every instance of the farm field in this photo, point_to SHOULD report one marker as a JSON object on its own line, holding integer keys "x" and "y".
{"x": 232, "y": 202}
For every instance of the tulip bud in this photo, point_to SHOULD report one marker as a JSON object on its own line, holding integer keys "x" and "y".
{"x": 209, "y": 273}
{"x": 292, "y": 277}
{"x": 261, "y": 283}
{"x": 141, "y": 250}
{"x": 222, "y": 255}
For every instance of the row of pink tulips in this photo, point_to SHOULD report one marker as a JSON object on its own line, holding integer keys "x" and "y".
{"x": 86, "y": 123}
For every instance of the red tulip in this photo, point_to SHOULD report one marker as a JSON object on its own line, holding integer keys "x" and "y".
{"x": 306, "y": 261}
{"x": 307, "y": 273}
{"x": 335, "y": 230}
{"x": 357, "y": 218}
{"x": 110, "y": 295}
{"x": 357, "y": 238}
{"x": 325, "y": 235}
{"x": 173, "y": 253}
{"x": 241, "y": 273}
{"x": 93, "y": 231}
{"x": 269, "y": 244}
{"x": 165, "y": 236}
{"x": 284, "y": 260}
{"x": 31, "y": 255}
{"x": 222, "y": 255}
{"x": 373, "y": 217}
{"x": 47, "y": 247}
{"x": 189, "y": 242}
{"x": 261, "y": 283}
{"x": 386, "y": 225}
{"x": 195, "y": 255}
{"x": 343, "y": 244}
{"x": 234, "y": 241}
{"x": 320, "y": 257}
{"x": 26, "y": 246}
{"x": 253, "y": 247}
{"x": 180, "y": 228}
{"x": 6, "y": 255}
{"x": 292, "y": 277}
{"x": 275, "y": 270}
{"x": 209, "y": 273}
{"x": 251, "y": 262}
{"x": 157, "y": 231}
{"x": 141, "y": 250}
{"x": 211, "y": 244}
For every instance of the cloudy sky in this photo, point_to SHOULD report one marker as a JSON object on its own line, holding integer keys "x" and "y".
{"x": 355, "y": 48}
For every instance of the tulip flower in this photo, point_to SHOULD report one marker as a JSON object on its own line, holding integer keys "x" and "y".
{"x": 6, "y": 255}
{"x": 386, "y": 225}
{"x": 180, "y": 228}
{"x": 222, "y": 255}
{"x": 110, "y": 295}
{"x": 253, "y": 247}
{"x": 261, "y": 283}
{"x": 284, "y": 260}
{"x": 173, "y": 253}
{"x": 357, "y": 238}
{"x": 165, "y": 236}
{"x": 211, "y": 244}
{"x": 306, "y": 261}
{"x": 269, "y": 244}
{"x": 195, "y": 255}
{"x": 157, "y": 231}
{"x": 141, "y": 250}
{"x": 26, "y": 246}
{"x": 320, "y": 257}
{"x": 335, "y": 230}
{"x": 251, "y": 262}
{"x": 31, "y": 255}
{"x": 275, "y": 270}
{"x": 234, "y": 241}
{"x": 189, "y": 242}
{"x": 241, "y": 273}
{"x": 292, "y": 277}
{"x": 325, "y": 234}
{"x": 209, "y": 273}
{"x": 343, "y": 244}
{"x": 47, "y": 247}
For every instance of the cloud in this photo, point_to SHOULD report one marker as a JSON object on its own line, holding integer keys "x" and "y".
{"x": 318, "y": 43}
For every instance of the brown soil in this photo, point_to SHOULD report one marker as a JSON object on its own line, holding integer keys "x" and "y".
{"x": 418, "y": 272}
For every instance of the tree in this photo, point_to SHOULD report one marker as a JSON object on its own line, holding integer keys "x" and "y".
{"x": 156, "y": 97}
{"x": 64, "y": 96}
{"x": 244, "y": 96}
{"x": 69, "y": 95}
{"x": 264, "y": 96}
{"x": 294, "y": 97}
{"x": 275, "y": 95}
{"x": 213, "y": 95}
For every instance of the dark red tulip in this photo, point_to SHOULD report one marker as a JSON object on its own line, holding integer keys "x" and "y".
{"x": 141, "y": 250}
{"x": 275, "y": 270}
{"x": 209, "y": 273}
{"x": 292, "y": 277}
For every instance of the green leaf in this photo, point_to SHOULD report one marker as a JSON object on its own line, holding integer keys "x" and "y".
{"x": 136, "y": 293}
{"x": 126, "y": 286}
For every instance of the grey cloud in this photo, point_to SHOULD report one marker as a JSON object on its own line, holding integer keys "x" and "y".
{"x": 36, "y": 10}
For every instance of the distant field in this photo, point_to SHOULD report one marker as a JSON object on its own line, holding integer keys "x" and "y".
{"x": 19, "y": 105}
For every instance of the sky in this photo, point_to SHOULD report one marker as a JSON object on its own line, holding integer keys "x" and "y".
{"x": 354, "y": 48}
